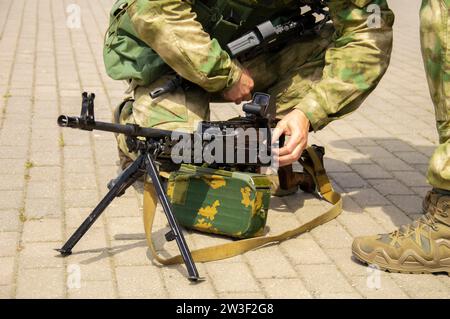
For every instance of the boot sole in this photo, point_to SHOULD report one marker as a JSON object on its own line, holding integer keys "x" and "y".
{"x": 392, "y": 269}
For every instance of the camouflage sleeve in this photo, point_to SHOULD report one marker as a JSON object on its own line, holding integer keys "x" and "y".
{"x": 169, "y": 27}
{"x": 355, "y": 63}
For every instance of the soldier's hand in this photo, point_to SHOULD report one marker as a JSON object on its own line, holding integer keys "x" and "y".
{"x": 241, "y": 90}
{"x": 296, "y": 126}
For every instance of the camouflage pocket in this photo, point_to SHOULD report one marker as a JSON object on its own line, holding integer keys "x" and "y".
{"x": 150, "y": 112}
{"x": 214, "y": 201}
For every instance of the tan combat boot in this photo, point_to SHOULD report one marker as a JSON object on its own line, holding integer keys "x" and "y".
{"x": 421, "y": 247}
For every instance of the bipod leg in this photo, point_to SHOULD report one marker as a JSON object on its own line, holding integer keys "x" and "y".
{"x": 117, "y": 188}
{"x": 175, "y": 231}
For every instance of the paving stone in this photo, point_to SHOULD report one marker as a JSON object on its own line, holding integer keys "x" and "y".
{"x": 37, "y": 208}
{"x": 349, "y": 206}
{"x": 343, "y": 259}
{"x": 371, "y": 171}
{"x": 130, "y": 252}
{"x": 93, "y": 265}
{"x": 410, "y": 204}
{"x": 46, "y": 158}
{"x": 304, "y": 251}
{"x": 80, "y": 181}
{"x": 270, "y": 262}
{"x": 232, "y": 277}
{"x": 124, "y": 226}
{"x": 336, "y": 166}
{"x": 6, "y": 270}
{"x": 352, "y": 157}
{"x": 78, "y": 165}
{"x": 13, "y": 152}
{"x": 124, "y": 207}
{"x": 359, "y": 224}
{"x": 378, "y": 286}
{"x": 367, "y": 197}
{"x": 45, "y": 145}
{"x": 339, "y": 295}
{"x": 93, "y": 290}
{"x": 393, "y": 164}
{"x": 8, "y": 244}
{"x": 390, "y": 217}
{"x": 40, "y": 255}
{"x": 242, "y": 295}
{"x": 46, "y": 283}
{"x": 9, "y": 220}
{"x": 81, "y": 198}
{"x": 428, "y": 286}
{"x": 421, "y": 191}
{"x": 140, "y": 282}
{"x": 42, "y": 230}
{"x": 93, "y": 241}
{"x": 332, "y": 235}
{"x": 12, "y": 166}
{"x": 75, "y": 216}
{"x": 411, "y": 178}
{"x": 390, "y": 187}
{"x": 348, "y": 180}
{"x": 43, "y": 190}
{"x": 182, "y": 288}
{"x": 324, "y": 279}
{"x": 77, "y": 152}
{"x": 413, "y": 157}
{"x": 393, "y": 145}
{"x": 10, "y": 199}
{"x": 44, "y": 174}
{"x": 285, "y": 289}
{"x": 6, "y": 292}
{"x": 375, "y": 151}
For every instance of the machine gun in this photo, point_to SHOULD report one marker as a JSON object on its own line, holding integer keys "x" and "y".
{"x": 153, "y": 145}
{"x": 266, "y": 36}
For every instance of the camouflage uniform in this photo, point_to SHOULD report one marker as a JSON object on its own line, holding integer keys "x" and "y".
{"x": 326, "y": 76}
{"x": 435, "y": 32}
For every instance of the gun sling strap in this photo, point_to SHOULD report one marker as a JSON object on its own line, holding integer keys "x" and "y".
{"x": 235, "y": 248}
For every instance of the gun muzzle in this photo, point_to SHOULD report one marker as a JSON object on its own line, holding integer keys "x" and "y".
{"x": 69, "y": 121}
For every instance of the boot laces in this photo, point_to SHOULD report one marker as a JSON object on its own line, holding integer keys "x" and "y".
{"x": 406, "y": 230}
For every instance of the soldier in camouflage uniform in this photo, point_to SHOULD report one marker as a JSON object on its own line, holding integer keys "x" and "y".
{"x": 314, "y": 81}
{"x": 424, "y": 246}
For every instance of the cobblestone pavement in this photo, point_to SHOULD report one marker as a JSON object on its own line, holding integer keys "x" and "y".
{"x": 51, "y": 178}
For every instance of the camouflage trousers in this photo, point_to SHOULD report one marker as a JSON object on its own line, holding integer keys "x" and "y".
{"x": 435, "y": 37}
{"x": 288, "y": 75}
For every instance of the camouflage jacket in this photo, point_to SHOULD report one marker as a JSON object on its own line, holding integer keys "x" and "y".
{"x": 354, "y": 63}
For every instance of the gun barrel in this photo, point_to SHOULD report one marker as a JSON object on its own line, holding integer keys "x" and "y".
{"x": 127, "y": 129}
{"x": 68, "y": 121}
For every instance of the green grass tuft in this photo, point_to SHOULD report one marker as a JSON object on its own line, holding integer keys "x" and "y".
{"x": 29, "y": 164}
{"x": 61, "y": 141}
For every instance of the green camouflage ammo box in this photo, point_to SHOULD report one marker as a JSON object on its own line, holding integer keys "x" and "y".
{"x": 221, "y": 202}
